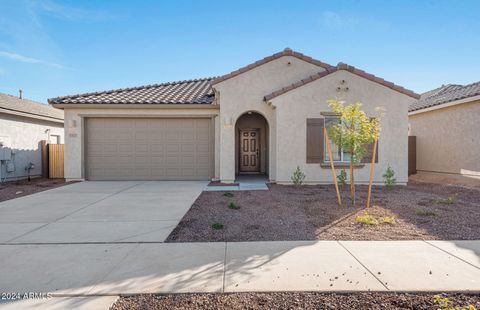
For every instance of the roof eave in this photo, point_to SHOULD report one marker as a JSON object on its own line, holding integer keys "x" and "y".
{"x": 134, "y": 106}
{"x": 32, "y": 115}
{"x": 351, "y": 69}
{"x": 444, "y": 105}
{"x": 285, "y": 52}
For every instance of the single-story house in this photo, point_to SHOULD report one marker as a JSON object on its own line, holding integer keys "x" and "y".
{"x": 266, "y": 118}
{"x": 23, "y": 124}
{"x": 446, "y": 123}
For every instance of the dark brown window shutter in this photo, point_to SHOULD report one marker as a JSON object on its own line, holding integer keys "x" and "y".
{"x": 368, "y": 155}
{"x": 315, "y": 140}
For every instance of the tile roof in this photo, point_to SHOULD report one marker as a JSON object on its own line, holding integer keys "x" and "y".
{"x": 28, "y": 108}
{"x": 445, "y": 94}
{"x": 440, "y": 90}
{"x": 197, "y": 91}
{"x": 342, "y": 66}
{"x": 285, "y": 52}
{"x": 200, "y": 91}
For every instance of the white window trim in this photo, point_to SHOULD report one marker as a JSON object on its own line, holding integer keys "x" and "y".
{"x": 326, "y": 158}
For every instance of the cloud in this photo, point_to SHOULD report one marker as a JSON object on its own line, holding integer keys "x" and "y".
{"x": 71, "y": 13}
{"x": 340, "y": 22}
{"x": 334, "y": 20}
{"x": 25, "y": 59}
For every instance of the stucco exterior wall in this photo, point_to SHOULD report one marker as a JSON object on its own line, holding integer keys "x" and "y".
{"x": 448, "y": 139}
{"x": 308, "y": 101}
{"x": 74, "y": 131}
{"x": 22, "y": 135}
{"x": 244, "y": 93}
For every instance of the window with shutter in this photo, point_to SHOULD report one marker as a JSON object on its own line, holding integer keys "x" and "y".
{"x": 338, "y": 154}
{"x": 368, "y": 155}
{"x": 315, "y": 140}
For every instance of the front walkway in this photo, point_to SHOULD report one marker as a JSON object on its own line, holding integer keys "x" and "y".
{"x": 112, "y": 269}
{"x": 244, "y": 182}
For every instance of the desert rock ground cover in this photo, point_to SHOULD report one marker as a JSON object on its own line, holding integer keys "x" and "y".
{"x": 15, "y": 189}
{"x": 417, "y": 211}
{"x": 295, "y": 300}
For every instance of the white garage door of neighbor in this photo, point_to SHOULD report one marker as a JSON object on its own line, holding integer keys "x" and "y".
{"x": 149, "y": 148}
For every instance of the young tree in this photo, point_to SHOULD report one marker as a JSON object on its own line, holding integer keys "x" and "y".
{"x": 354, "y": 132}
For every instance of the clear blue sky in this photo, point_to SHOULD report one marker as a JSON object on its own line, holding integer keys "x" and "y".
{"x": 51, "y": 48}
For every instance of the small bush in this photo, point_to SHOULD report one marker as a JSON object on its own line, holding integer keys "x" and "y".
{"x": 366, "y": 219}
{"x": 389, "y": 178}
{"x": 233, "y": 206}
{"x": 228, "y": 194}
{"x": 217, "y": 226}
{"x": 389, "y": 220}
{"x": 423, "y": 212}
{"x": 342, "y": 177}
{"x": 298, "y": 177}
{"x": 446, "y": 201}
{"x": 445, "y": 303}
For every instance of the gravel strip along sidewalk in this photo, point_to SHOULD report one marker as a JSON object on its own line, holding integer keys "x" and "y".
{"x": 293, "y": 300}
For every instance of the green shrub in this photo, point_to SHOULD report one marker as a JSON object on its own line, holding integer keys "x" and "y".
{"x": 233, "y": 206}
{"x": 342, "y": 177}
{"x": 423, "y": 212}
{"x": 217, "y": 226}
{"x": 446, "y": 201}
{"x": 228, "y": 194}
{"x": 389, "y": 220}
{"x": 445, "y": 303}
{"x": 389, "y": 178}
{"x": 298, "y": 177}
{"x": 366, "y": 219}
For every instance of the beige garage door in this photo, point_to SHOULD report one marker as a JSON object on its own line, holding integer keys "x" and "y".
{"x": 149, "y": 149}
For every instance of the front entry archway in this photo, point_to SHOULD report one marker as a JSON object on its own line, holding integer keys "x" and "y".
{"x": 251, "y": 144}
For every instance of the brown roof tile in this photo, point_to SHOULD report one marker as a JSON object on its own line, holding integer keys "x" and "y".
{"x": 285, "y": 52}
{"x": 29, "y": 107}
{"x": 183, "y": 92}
{"x": 342, "y": 66}
{"x": 445, "y": 94}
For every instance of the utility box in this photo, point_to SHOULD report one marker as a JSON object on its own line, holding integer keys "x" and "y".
{"x": 10, "y": 167}
{"x": 5, "y": 150}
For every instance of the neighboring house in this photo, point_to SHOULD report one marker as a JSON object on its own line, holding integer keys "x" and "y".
{"x": 266, "y": 118}
{"x": 23, "y": 124}
{"x": 446, "y": 122}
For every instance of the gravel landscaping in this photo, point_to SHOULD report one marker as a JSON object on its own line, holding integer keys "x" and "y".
{"x": 293, "y": 300}
{"x": 416, "y": 211}
{"x": 15, "y": 189}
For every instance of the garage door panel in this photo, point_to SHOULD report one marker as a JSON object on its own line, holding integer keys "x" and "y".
{"x": 156, "y": 149}
{"x": 157, "y": 160}
{"x": 149, "y": 149}
{"x": 188, "y": 161}
{"x": 172, "y": 148}
{"x": 172, "y": 160}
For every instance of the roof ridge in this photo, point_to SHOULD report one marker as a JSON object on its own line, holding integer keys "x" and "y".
{"x": 458, "y": 93}
{"x": 342, "y": 66}
{"x": 453, "y": 90}
{"x": 25, "y": 99}
{"x": 118, "y": 90}
{"x": 28, "y": 106}
{"x": 286, "y": 52}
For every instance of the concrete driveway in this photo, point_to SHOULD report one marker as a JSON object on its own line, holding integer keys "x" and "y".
{"x": 93, "y": 212}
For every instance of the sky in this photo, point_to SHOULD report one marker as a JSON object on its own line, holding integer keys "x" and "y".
{"x": 53, "y": 48}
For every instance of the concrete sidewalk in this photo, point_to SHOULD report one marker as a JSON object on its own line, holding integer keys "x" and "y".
{"x": 112, "y": 269}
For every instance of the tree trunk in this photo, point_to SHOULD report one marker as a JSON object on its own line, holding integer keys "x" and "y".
{"x": 352, "y": 183}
